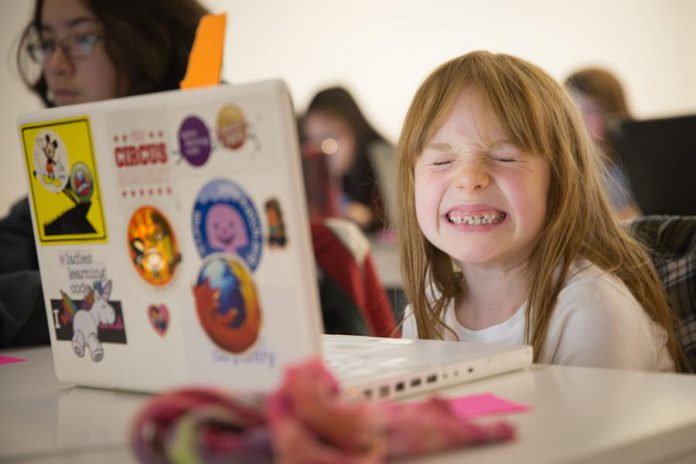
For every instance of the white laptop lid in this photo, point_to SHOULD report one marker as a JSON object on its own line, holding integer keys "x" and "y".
{"x": 173, "y": 239}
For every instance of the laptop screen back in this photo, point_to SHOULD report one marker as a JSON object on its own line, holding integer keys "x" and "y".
{"x": 659, "y": 157}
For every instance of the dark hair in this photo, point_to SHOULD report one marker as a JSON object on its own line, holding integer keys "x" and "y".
{"x": 148, "y": 42}
{"x": 360, "y": 181}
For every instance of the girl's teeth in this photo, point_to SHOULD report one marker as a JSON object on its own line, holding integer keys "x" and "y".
{"x": 476, "y": 220}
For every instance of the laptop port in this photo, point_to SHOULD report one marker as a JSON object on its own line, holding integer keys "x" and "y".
{"x": 383, "y": 391}
{"x": 470, "y": 370}
{"x": 399, "y": 387}
{"x": 416, "y": 382}
{"x": 367, "y": 394}
{"x": 431, "y": 378}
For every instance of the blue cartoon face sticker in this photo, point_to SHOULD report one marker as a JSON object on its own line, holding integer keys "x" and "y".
{"x": 225, "y": 228}
{"x": 226, "y": 220}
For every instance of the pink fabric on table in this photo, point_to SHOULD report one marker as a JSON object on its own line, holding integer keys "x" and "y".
{"x": 10, "y": 360}
{"x": 305, "y": 421}
{"x": 471, "y": 406}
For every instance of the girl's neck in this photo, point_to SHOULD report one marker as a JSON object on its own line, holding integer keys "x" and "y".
{"x": 490, "y": 296}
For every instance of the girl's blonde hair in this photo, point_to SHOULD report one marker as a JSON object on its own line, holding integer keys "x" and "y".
{"x": 537, "y": 115}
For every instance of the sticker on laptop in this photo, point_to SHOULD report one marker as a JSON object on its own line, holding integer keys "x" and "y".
{"x": 231, "y": 127}
{"x": 82, "y": 182}
{"x": 90, "y": 322}
{"x": 141, "y": 154}
{"x": 227, "y": 303}
{"x": 158, "y": 316}
{"x": 276, "y": 226}
{"x": 63, "y": 181}
{"x": 51, "y": 161}
{"x": 194, "y": 141}
{"x": 225, "y": 220}
{"x": 234, "y": 130}
{"x": 152, "y": 246}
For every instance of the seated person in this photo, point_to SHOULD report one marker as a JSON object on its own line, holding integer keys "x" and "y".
{"x": 83, "y": 51}
{"x": 601, "y": 100}
{"x": 359, "y": 157}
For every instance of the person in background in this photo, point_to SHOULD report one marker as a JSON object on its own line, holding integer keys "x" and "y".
{"x": 360, "y": 159}
{"x": 76, "y": 51}
{"x": 506, "y": 232}
{"x": 600, "y": 98}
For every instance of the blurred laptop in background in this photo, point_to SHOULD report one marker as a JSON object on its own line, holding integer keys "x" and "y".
{"x": 659, "y": 157}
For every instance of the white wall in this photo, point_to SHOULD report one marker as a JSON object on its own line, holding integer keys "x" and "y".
{"x": 381, "y": 49}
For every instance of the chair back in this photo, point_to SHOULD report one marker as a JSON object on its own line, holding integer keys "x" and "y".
{"x": 671, "y": 241}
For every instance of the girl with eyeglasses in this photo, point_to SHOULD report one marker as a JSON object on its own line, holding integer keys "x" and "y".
{"x": 76, "y": 51}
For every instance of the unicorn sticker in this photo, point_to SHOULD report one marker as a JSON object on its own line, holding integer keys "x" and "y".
{"x": 95, "y": 312}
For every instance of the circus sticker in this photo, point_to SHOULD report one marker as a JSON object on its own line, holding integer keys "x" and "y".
{"x": 63, "y": 181}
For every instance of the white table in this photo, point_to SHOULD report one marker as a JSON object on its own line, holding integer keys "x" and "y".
{"x": 577, "y": 415}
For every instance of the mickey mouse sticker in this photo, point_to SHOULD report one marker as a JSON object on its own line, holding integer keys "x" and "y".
{"x": 63, "y": 181}
{"x": 50, "y": 161}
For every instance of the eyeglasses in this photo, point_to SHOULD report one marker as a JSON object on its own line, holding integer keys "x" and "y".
{"x": 74, "y": 46}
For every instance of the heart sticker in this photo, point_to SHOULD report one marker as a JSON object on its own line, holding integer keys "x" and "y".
{"x": 159, "y": 318}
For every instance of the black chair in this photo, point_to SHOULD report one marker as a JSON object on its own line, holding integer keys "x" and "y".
{"x": 672, "y": 244}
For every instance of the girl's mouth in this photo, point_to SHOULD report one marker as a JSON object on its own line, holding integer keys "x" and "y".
{"x": 476, "y": 219}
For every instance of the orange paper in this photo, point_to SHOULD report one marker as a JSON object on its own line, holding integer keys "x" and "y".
{"x": 205, "y": 59}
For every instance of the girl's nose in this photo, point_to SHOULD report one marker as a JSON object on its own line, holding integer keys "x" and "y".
{"x": 471, "y": 175}
{"x": 58, "y": 62}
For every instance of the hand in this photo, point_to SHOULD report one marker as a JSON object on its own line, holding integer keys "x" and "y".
{"x": 359, "y": 213}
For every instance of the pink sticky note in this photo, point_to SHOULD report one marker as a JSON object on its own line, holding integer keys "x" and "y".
{"x": 10, "y": 360}
{"x": 472, "y": 406}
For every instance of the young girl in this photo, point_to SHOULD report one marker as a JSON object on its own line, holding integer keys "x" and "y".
{"x": 506, "y": 234}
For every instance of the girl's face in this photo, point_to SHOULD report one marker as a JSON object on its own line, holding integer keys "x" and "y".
{"x": 478, "y": 197}
{"x": 334, "y": 137}
{"x": 88, "y": 75}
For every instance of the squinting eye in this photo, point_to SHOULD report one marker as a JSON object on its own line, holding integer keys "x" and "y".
{"x": 441, "y": 162}
{"x": 503, "y": 159}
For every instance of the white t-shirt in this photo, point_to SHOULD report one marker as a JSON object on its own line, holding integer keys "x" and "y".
{"x": 597, "y": 322}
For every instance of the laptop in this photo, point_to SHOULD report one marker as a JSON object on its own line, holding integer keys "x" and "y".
{"x": 659, "y": 157}
{"x": 174, "y": 249}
